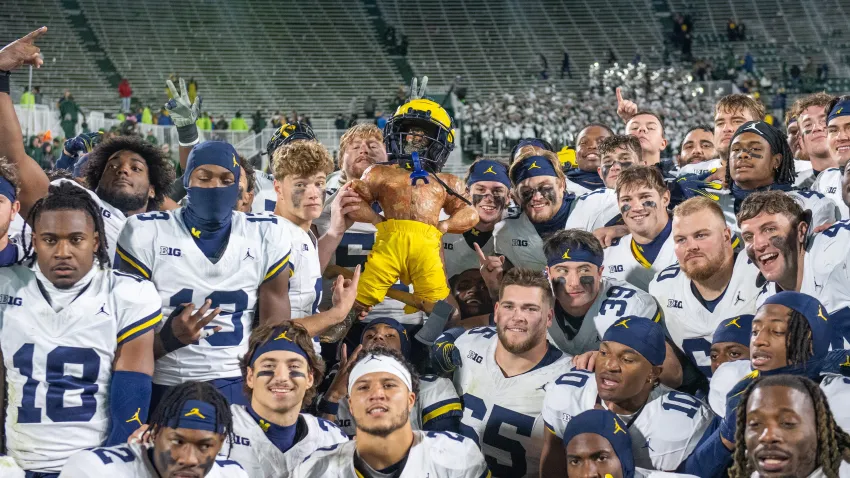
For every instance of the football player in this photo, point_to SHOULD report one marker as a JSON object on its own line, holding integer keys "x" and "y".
{"x": 648, "y": 248}
{"x": 585, "y": 177}
{"x": 759, "y": 160}
{"x": 599, "y": 208}
{"x": 790, "y": 431}
{"x": 247, "y": 186}
{"x": 709, "y": 283}
{"x": 11, "y": 247}
{"x": 828, "y": 182}
{"x": 300, "y": 171}
{"x": 502, "y": 374}
{"x": 540, "y": 189}
{"x": 586, "y": 303}
{"x": 811, "y": 116}
{"x": 437, "y": 406}
{"x": 206, "y": 253}
{"x": 280, "y": 371}
{"x": 730, "y": 112}
{"x": 731, "y": 341}
{"x": 665, "y": 425}
{"x": 266, "y": 198}
{"x": 697, "y": 154}
{"x": 649, "y": 130}
{"x": 792, "y": 129}
{"x": 77, "y": 338}
{"x": 360, "y": 146}
{"x": 187, "y": 431}
{"x": 776, "y": 236}
{"x": 382, "y": 389}
{"x": 489, "y": 186}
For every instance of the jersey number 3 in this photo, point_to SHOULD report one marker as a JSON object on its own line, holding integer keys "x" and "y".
{"x": 58, "y": 383}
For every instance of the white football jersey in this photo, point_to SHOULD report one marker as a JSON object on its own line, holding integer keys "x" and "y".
{"x": 615, "y": 299}
{"x": 576, "y": 188}
{"x": 664, "y": 432}
{"x": 594, "y": 210}
{"x": 433, "y": 454}
{"x": 517, "y": 240}
{"x": 837, "y": 389}
{"x": 690, "y": 324}
{"x": 356, "y": 244}
{"x": 113, "y": 219}
{"x": 804, "y": 174}
{"x": 824, "y": 210}
{"x": 59, "y": 364}
{"x": 305, "y": 271}
{"x": 160, "y": 246}
{"x": 261, "y": 458}
{"x": 134, "y": 460}
{"x": 700, "y": 168}
{"x": 621, "y": 261}
{"x": 724, "y": 380}
{"x": 502, "y": 414}
{"x": 458, "y": 256}
{"x": 437, "y": 398}
{"x": 828, "y": 183}
{"x": 265, "y": 197}
{"x": 825, "y": 276}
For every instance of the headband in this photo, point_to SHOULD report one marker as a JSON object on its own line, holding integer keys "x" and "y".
{"x": 489, "y": 170}
{"x": 815, "y": 315}
{"x": 197, "y": 415}
{"x": 531, "y": 167}
{"x": 609, "y": 426}
{"x": 574, "y": 252}
{"x": 379, "y": 363}
{"x": 737, "y": 329}
{"x": 279, "y": 342}
{"x": 842, "y": 108}
{"x": 775, "y": 138}
{"x": 218, "y": 153}
{"x": 402, "y": 333}
{"x": 641, "y": 334}
{"x": 7, "y": 189}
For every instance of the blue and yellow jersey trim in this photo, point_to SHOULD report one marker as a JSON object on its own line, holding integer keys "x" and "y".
{"x": 486, "y": 474}
{"x": 446, "y": 408}
{"x": 637, "y": 252}
{"x": 277, "y": 267}
{"x": 135, "y": 263}
{"x": 549, "y": 428}
{"x": 139, "y": 327}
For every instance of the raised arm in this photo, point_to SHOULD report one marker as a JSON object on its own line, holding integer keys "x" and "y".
{"x": 463, "y": 216}
{"x": 184, "y": 114}
{"x": 34, "y": 182}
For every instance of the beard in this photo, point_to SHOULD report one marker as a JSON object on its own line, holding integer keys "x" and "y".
{"x": 516, "y": 348}
{"x": 383, "y": 431}
{"x": 705, "y": 271}
{"x": 124, "y": 202}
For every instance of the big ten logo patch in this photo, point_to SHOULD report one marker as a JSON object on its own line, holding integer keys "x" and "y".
{"x": 169, "y": 251}
{"x": 474, "y": 356}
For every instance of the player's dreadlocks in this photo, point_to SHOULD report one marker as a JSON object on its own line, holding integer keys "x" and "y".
{"x": 798, "y": 339}
{"x": 833, "y": 442}
{"x": 171, "y": 406}
{"x": 69, "y": 197}
{"x": 160, "y": 170}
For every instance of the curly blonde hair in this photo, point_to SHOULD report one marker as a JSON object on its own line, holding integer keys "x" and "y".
{"x": 301, "y": 158}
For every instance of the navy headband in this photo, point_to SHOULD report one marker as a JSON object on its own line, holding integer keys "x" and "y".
{"x": 278, "y": 341}
{"x": 6, "y": 189}
{"x": 197, "y": 415}
{"x": 842, "y": 108}
{"x": 776, "y": 139}
{"x": 574, "y": 253}
{"x": 737, "y": 329}
{"x": 212, "y": 152}
{"x": 531, "y": 167}
{"x": 609, "y": 426}
{"x": 641, "y": 334}
{"x": 402, "y": 333}
{"x": 815, "y": 315}
{"x": 489, "y": 170}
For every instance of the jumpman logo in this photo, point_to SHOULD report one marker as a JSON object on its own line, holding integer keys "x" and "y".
{"x": 566, "y": 255}
{"x": 542, "y": 387}
{"x": 753, "y": 127}
{"x": 617, "y": 427}
{"x": 135, "y": 417}
{"x": 195, "y": 412}
{"x": 818, "y": 286}
{"x": 820, "y": 314}
{"x": 734, "y": 322}
{"x": 624, "y": 323}
{"x": 283, "y": 336}
{"x": 490, "y": 171}
{"x": 372, "y": 358}
{"x": 738, "y": 299}
{"x": 534, "y": 166}
{"x": 846, "y": 362}
{"x": 235, "y": 164}
{"x": 646, "y": 445}
{"x": 248, "y": 255}
{"x": 102, "y": 310}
